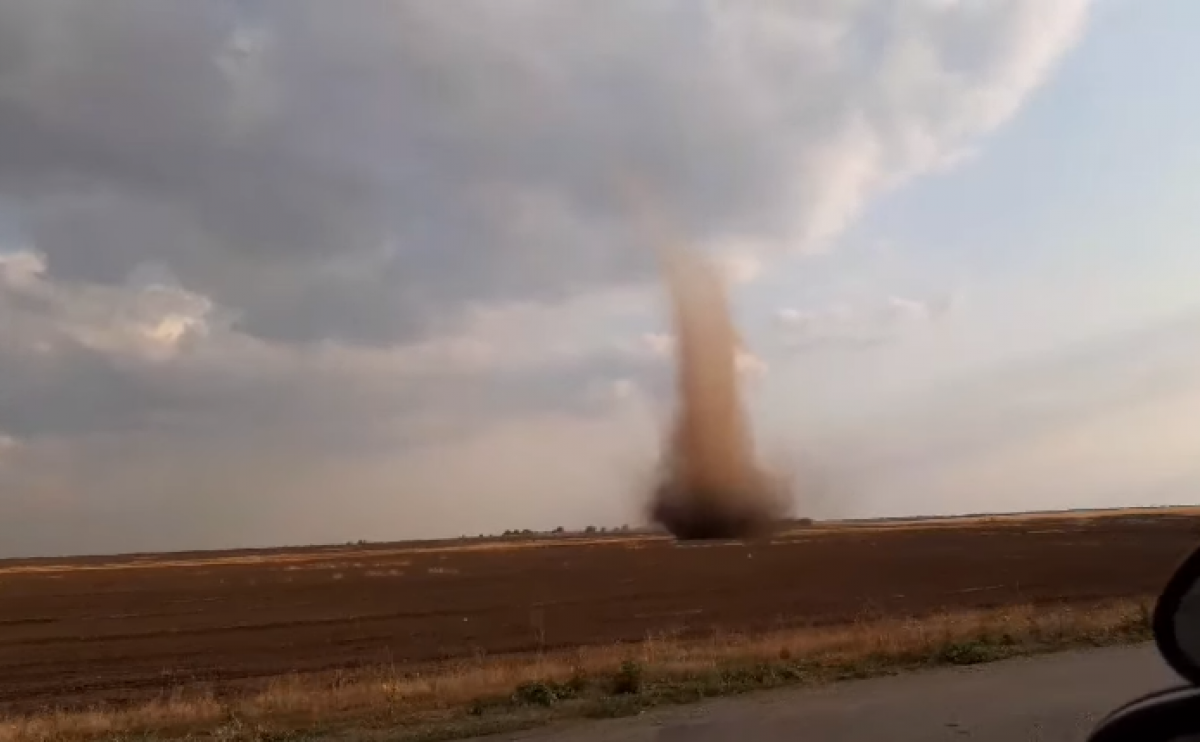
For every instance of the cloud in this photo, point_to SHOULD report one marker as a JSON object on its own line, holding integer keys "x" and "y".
{"x": 359, "y": 172}
{"x": 844, "y": 326}
{"x": 739, "y": 266}
{"x": 273, "y": 249}
{"x": 901, "y": 309}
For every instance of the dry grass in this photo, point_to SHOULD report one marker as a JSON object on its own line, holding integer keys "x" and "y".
{"x": 488, "y": 693}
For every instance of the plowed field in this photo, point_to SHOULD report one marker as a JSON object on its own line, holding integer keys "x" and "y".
{"x": 92, "y": 630}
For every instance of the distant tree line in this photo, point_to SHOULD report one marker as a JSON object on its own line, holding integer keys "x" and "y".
{"x": 560, "y": 530}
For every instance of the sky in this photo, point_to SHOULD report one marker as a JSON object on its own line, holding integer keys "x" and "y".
{"x": 292, "y": 271}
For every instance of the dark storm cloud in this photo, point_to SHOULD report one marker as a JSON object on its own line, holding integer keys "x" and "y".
{"x": 357, "y": 170}
{"x": 123, "y": 140}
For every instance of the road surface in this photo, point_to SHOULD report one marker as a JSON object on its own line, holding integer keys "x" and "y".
{"x": 1044, "y": 699}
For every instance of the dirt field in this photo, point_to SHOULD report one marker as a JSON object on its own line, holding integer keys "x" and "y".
{"x": 76, "y": 632}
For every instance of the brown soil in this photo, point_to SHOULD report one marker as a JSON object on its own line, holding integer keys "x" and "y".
{"x": 76, "y": 632}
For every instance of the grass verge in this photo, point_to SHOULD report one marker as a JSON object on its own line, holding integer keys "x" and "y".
{"x": 497, "y": 694}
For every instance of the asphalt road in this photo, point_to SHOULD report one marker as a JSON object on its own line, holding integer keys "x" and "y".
{"x": 1057, "y": 697}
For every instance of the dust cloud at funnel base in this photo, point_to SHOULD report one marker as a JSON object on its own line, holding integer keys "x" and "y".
{"x": 710, "y": 484}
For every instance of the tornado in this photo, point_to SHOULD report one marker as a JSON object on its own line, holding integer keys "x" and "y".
{"x": 710, "y": 485}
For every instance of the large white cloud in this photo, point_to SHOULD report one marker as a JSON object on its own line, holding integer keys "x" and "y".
{"x": 271, "y": 240}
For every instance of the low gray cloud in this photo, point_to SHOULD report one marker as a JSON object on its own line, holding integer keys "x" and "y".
{"x": 359, "y": 170}
{"x": 83, "y": 360}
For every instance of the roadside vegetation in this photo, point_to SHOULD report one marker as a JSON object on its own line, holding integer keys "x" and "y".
{"x": 504, "y": 693}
